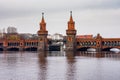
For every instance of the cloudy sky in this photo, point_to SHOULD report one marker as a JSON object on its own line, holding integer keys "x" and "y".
{"x": 90, "y": 16}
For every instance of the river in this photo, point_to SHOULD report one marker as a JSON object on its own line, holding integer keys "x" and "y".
{"x": 59, "y": 66}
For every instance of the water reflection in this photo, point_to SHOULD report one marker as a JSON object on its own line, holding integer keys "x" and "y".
{"x": 71, "y": 66}
{"x": 42, "y": 65}
{"x": 70, "y": 55}
{"x": 59, "y": 66}
{"x": 98, "y": 54}
{"x": 55, "y": 53}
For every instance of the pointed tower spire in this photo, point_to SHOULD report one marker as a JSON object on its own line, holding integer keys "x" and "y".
{"x": 42, "y": 21}
{"x": 71, "y": 19}
{"x": 42, "y": 14}
{"x": 71, "y": 23}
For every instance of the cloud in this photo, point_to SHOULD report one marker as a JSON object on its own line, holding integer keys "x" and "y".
{"x": 91, "y": 16}
{"x": 11, "y": 8}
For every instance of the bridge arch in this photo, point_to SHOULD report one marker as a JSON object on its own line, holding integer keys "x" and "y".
{"x": 13, "y": 49}
{"x": 106, "y": 49}
{"x": 83, "y": 49}
{"x": 109, "y": 48}
{"x": 91, "y": 49}
{"x": 31, "y": 49}
{"x": 1, "y": 49}
{"x": 115, "y": 49}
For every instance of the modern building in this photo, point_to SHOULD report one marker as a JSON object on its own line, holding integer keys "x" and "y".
{"x": 57, "y": 36}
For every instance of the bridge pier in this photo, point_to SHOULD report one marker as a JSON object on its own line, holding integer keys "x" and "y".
{"x": 21, "y": 49}
{"x": 5, "y": 49}
{"x": 42, "y": 33}
{"x": 98, "y": 49}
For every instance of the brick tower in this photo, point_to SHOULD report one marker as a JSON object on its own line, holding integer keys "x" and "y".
{"x": 42, "y": 33}
{"x": 99, "y": 43}
{"x": 71, "y": 35}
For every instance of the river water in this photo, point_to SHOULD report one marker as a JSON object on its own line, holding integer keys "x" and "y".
{"x": 59, "y": 66}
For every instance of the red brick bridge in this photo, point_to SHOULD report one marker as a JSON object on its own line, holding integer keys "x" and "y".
{"x": 82, "y": 44}
{"x": 102, "y": 44}
{"x": 14, "y": 42}
{"x": 18, "y": 45}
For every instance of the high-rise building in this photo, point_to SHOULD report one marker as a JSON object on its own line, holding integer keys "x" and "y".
{"x": 11, "y": 30}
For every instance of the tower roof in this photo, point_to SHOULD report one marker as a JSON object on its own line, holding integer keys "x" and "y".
{"x": 71, "y": 23}
{"x": 71, "y": 19}
{"x": 42, "y": 24}
{"x": 42, "y": 21}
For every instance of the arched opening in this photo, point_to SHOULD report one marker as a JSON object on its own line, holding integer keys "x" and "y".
{"x": 91, "y": 49}
{"x": 13, "y": 49}
{"x": 31, "y": 49}
{"x": 106, "y": 49}
{"x": 115, "y": 50}
{"x": 78, "y": 43}
{"x": 1, "y": 49}
{"x": 103, "y": 43}
{"x": 83, "y": 49}
{"x": 54, "y": 48}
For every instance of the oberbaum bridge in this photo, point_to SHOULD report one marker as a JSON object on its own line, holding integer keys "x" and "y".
{"x": 72, "y": 42}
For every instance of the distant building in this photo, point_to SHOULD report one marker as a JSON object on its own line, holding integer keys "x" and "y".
{"x": 49, "y": 36}
{"x": 57, "y": 36}
{"x": 13, "y": 37}
{"x": 29, "y": 36}
{"x": 11, "y": 30}
{"x": 84, "y": 36}
{"x": 2, "y": 33}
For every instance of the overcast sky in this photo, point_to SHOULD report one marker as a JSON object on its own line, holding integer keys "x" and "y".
{"x": 90, "y": 16}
